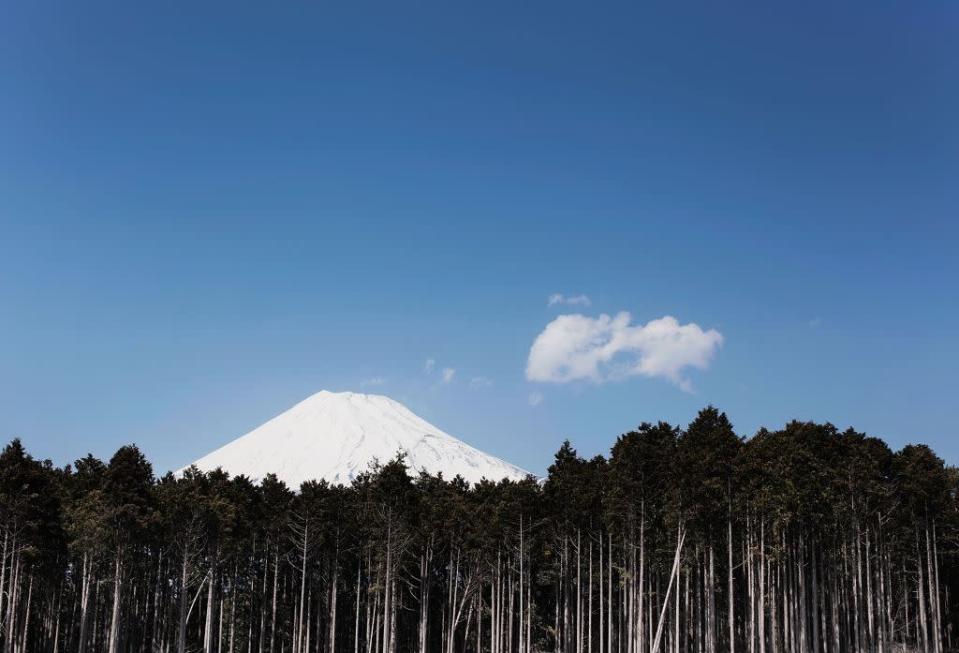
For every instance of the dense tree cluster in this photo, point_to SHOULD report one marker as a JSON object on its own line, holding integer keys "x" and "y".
{"x": 803, "y": 539}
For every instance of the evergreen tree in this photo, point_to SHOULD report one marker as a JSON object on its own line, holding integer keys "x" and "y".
{"x": 803, "y": 539}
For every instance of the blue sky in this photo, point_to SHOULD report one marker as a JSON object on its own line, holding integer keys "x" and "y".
{"x": 209, "y": 212}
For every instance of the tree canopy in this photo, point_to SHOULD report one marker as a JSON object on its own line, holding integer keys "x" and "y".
{"x": 694, "y": 538}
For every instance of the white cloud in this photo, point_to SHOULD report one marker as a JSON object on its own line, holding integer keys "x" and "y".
{"x": 479, "y": 382}
{"x": 376, "y": 380}
{"x": 448, "y": 374}
{"x": 815, "y": 322}
{"x": 429, "y": 365}
{"x": 535, "y": 398}
{"x": 572, "y": 300}
{"x": 574, "y": 347}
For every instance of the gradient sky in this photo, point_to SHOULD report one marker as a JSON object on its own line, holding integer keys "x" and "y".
{"x": 209, "y": 212}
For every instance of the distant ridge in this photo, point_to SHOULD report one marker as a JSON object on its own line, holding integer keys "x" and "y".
{"x": 335, "y": 436}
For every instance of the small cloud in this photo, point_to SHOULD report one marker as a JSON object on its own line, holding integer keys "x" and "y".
{"x": 572, "y": 300}
{"x": 609, "y": 348}
{"x": 479, "y": 382}
{"x": 535, "y": 398}
{"x": 448, "y": 374}
{"x": 373, "y": 381}
{"x": 815, "y": 322}
{"x": 429, "y": 365}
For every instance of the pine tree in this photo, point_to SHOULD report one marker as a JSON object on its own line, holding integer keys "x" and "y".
{"x": 801, "y": 539}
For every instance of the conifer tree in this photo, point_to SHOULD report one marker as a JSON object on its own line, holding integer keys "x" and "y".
{"x": 806, "y": 539}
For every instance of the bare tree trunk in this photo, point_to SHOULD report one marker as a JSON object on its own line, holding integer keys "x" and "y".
{"x": 711, "y": 601}
{"x": 336, "y": 568}
{"x": 184, "y": 580}
{"x": 387, "y": 584}
{"x": 521, "y": 579}
{"x": 233, "y": 598}
{"x": 579, "y": 595}
{"x": 84, "y": 603}
{"x": 731, "y": 599}
{"x": 262, "y": 633}
{"x": 219, "y": 627}
{"x": 922, "y": 632}
{"x": 750, "y": 582}
{"x": 114, "y": 641}
{"x": 609, "y": 595}
{"x": 676, "y": 616}
{"x": 762, "y": 587}
{"x": 26, "y": 616}
{"x": 680, "y": 537}
{"x": 602, "y": 615}
{"x": 933, "y": 598}
{"x": 935, "y": 577}
{"x": 642, "y": 576}
{"x": 304, "y": 552}
{"x": 356, "y": 627}
{"x": 208, "y": 623}
{"x": 276, "y": 569}
{"x": 14, "y": 597}
{"x": 870, "y": 615}
{"x": 589, "y": 603}
{"x": 814, "y": 566}
{"x": 3, "y": 570}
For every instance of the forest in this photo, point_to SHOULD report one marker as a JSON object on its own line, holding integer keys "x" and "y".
{"x": 806, "y": 539}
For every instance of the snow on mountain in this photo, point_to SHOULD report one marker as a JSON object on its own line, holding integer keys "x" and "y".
{"x": 337, "y": 435}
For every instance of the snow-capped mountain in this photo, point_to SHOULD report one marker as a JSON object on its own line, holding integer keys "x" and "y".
{"x": 336, "y": 435}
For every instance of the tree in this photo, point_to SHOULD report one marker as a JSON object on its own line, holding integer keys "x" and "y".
{"x": 804, "y": 538}
{"x": 128, "y": 518}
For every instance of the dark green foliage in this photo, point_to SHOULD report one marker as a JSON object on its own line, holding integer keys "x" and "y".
{"x": 836, "y": 543}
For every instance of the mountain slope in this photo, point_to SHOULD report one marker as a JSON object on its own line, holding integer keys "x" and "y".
{"x": 337, "y": 435}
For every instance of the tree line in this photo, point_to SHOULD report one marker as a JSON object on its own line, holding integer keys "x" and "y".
{"x": 805, "y": 539}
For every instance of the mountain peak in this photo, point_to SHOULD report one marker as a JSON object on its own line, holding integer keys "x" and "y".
{"x": 335, "y": 436}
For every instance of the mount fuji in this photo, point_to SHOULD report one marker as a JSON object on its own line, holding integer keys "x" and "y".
{"x": 335, "y": 436}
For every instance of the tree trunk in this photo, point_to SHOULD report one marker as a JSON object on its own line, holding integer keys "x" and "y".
{"x": 84, "y": 603}
{"x": 680, "y": 537}
{"x": 208, "y": 623}
{"x": 114, "y": 641}
{"x": 731, "y": 603}
{"x": 181, "y": 626}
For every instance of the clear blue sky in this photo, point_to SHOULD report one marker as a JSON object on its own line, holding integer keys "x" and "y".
{"x": 209, "y": 212}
